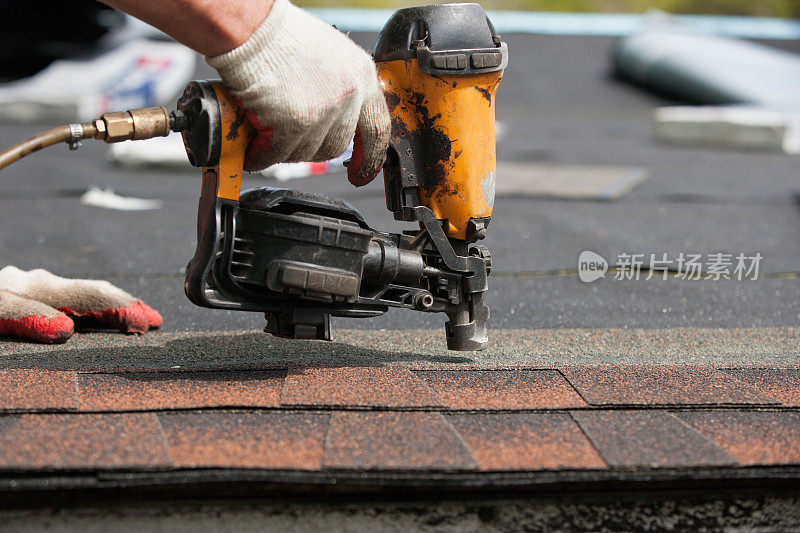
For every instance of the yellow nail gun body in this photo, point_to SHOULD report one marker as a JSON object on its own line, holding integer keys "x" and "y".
{"x": 441, "y": 68}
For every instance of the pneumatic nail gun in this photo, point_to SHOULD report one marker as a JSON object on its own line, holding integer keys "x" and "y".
{"x": 300, "y": 257}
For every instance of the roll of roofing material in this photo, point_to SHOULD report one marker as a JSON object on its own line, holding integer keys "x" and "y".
{"x": 705, "y": 69}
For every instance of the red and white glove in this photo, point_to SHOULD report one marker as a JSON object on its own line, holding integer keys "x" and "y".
{"x": 308, "y": 90}
{"x": 39, "y": 306}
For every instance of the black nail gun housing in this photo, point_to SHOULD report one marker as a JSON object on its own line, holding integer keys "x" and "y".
{"x": 301, "y": 258}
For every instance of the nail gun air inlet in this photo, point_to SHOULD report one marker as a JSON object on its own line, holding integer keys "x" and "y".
{"x": 136, "y": 124}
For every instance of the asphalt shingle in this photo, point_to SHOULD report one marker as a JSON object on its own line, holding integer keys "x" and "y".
{"x": 653, "y": 439}
{"x": 179, "y": 390}
{"x": 82, "y": 442}
{"x": 752, "y": 437}
{"x": 29, "y": 390}
{"x": 371, "y": 386}
{"x": 393, "y": 440}
{"x": 661, "y": 385}
{"x": 502, "y": 389}
{"x": 783, "y": 384}
{"x": 272, "y": 440}
{"x": 526, "y": 441}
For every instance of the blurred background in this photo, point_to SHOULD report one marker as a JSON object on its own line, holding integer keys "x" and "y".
{"x": 766, "y": 8}
{"x": 36, "y": 31}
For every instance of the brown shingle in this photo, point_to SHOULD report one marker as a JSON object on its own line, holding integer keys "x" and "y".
{"x": 179, "y": 390}
{"x": 394, "y": 440}
{"x": 277, "y": 440}
{"x": 660, "y": 385}
{"x": 502, "y": 389}
{"x": 372, "y": 386}
{"x": 82, "y": 442}
{"x": 526, "y": 441}
{"x": 752, "y": 437}
{"x": 649, "y": 438}
{"x": 783, "y": 384}
{"x": 27, "y": 390}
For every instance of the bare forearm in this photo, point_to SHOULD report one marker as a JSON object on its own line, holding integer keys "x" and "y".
{"x": 209, "y": 26}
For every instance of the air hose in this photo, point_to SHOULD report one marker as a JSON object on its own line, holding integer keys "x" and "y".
{"x": 135, "y": 124}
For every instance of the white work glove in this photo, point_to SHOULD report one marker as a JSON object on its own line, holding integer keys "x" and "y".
{"x": 308, "y": 90}
{"x": 40, "y": 306}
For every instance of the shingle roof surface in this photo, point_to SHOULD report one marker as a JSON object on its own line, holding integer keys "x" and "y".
{"x": 382, "y": 418}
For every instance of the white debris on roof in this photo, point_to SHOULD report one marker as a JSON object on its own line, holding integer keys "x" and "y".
{"x": 108, "y": 199}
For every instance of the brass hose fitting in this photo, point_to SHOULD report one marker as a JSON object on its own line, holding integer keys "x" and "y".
{"x": 132, "y": 125}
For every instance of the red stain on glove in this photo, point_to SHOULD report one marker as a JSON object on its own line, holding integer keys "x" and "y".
{"x": 355, "y": 174}
{"x": 53, "y": 330}
{"x": 261, "y": 141}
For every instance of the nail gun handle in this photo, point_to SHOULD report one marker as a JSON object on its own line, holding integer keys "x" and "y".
{"x": 216, "y": 137}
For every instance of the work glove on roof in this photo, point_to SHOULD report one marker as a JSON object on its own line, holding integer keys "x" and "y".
{"x": 308, "y": 90}
{"x": 40, "y": 306}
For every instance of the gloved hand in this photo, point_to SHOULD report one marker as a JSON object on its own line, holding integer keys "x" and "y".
{"x": 38, "y": 305}
{"x": 308, "y": 90}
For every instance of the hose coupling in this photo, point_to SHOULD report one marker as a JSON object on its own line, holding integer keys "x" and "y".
{"x": 135, "y": 124}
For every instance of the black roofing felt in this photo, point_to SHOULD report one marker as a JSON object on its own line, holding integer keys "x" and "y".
{"x": 559, "y": 106}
